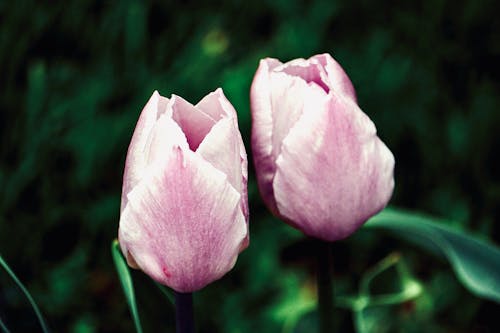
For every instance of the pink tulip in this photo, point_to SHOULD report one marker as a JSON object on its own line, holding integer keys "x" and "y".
{"x": 184, "y": 209}
{"x": 320, "y": 165}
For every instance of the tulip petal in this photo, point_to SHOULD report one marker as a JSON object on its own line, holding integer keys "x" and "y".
{"x": 329, "y": 183}
{"x": 165, "y": 135}
{"x": 183, "y": 224}
{"x": 194, "y": 123}
{"x": 136, "y": 162}
{"x": 290, "y": 95}
{"x": 230, "y": 112}
{"x": 225, "y": 136}
{"x": 337, "y": 77}
{"x": 287, "y": 103}
{"x": 308, "y": 70}
{"x": 211, "y": 105}
{"x": 262, "y": 128}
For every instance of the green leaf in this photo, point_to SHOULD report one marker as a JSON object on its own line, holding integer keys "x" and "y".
{"x": 475, "y": 262}
{"x": 126, "y": 281}
{"x": 169, "y": 295}
{"x": 38, "y": 313}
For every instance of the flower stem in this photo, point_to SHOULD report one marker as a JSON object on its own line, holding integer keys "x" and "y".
{"x": 325, "y": 287}
{"x": 184, "y": 312}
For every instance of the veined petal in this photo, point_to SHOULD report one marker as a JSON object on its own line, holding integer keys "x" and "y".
{"x": 135, "y": 162}
{"x": 329, "y": 183}
{"x": 183, "y": 224}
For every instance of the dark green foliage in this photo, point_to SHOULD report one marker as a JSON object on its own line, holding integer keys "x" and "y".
{"x": 75, "y": 75}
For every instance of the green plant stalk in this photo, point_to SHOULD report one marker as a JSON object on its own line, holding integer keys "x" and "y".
{"x": 38, "y": 313}
{"x": 325, "y": 287}
{"x": 184, "y": 319}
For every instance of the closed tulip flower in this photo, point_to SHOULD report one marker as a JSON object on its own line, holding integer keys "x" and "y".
{"x": 184, "y": 208}
{"x": 320, "y": 165}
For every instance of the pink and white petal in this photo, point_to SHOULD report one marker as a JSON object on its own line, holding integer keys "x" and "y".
{"x": 244, "y": 181}
{"x": 224, "y": 110}
{"x": 221, "y": 148}
{"x": 331, "y": 182}
{"x": 262, "y": 127}
{"x": 227, "y": 108}
{"x": 165, "y": 135}
{"x": 194, "y": 124}
{"x": 135, "y": 162}
{"x": 337, "y": 77}
{"x": 231, "y": 112}
{"x": 130, "y": 260}
{"x": 308, "y": 70}
{"x": 183, "y": 226}
{"x": 211, "y": 105}
{"x": 288, "y": 99}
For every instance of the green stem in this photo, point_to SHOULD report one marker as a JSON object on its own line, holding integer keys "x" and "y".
{"x": 184, "y": 312}
{"x": 325, "y": 287}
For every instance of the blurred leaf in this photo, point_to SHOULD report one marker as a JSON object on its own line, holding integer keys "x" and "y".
{"x": 85, "y": 324}
{"x": 45, "y": 329}
{"x": 373, "y": 319}
{"x": 296, "y": 301}
{"x": 126, "y": 281}
{"x": 408, "y": 287}
{"x": 475, "y": 262}
{"x": 63, "y": 279}
{"x": 215, "y": 42}
{"x": 370, "y": 310}
{"x": 35, "y": 95}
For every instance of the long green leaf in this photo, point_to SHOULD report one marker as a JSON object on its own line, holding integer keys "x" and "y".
{"x": 126, "y": 281}
{"x": 475, "y": 262}
{"x": 21, "y": 286}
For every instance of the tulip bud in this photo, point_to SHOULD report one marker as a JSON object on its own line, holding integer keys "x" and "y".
{"x": 320, "y": 165}
{"x": 184, "y": 208}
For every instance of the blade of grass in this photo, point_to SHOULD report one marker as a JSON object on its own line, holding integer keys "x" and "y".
{"x": 3, "y": 327}
{"x": 126, "y": 282}
{"x": 13, "y": 276}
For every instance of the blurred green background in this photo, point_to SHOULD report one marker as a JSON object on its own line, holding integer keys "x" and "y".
{"x": 75, "y": 75}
